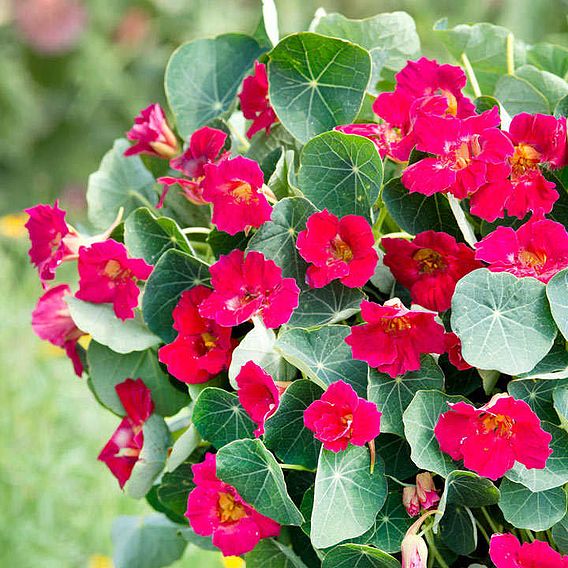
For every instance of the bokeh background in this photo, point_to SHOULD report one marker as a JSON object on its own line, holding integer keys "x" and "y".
{"x": 73, "y": 74}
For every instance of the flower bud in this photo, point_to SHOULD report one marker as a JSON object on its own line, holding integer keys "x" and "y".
{"x": 426, "y": 490}
{"x": 410, "y": 500}
{"x": 414, "y": 552}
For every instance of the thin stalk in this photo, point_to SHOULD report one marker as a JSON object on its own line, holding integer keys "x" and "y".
{"x": 528, "y": 535}
{"x": 463, "y": 223}
{"x": 510, "y": 54}
{"x": 378, "y": 224}
{"x": 401, "y": 483}
{"x": 398, "y": 235}
{"x": 490, "y": 521}
{"x": 242, "y": 140}
{"x": 196, "y": 231}
{"x": 482, "y": 530}
{"x": 295, "y": 467}
{"x": 435, "y": 552}
{"x": 471, "y": 75}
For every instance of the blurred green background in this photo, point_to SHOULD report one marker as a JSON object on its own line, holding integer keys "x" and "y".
{"x": 73, "y": 74}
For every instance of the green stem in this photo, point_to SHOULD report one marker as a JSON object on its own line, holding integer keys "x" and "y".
{"x": 490, "y": 521}
{"x": 510, "y": 54}
{"x": 295, "y": 467}
{"x": 471, "y": 75}
{"x": 482, "y": 530}
{"x": 529, "y": 537}
{"x": 401, "y": 483}
{"x": 461, "y": 219}
{"x": 242, "y": 140}
{"x": 435, "y": 552}
{"x": 142, "y": 199}
{"x": 196, "y": 231}
{"x": 378, "y": 225}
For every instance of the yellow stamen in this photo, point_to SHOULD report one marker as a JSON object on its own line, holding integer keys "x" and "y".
{"x": 229, "y": 510}
{"x": 429, "y": 260}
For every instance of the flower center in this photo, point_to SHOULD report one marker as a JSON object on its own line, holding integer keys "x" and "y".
{"x": 532, "y": 259}
{"x": 347, "y": 419}
{"x": 113, "y": 270}
{"x": 209, "y": 341}
{"x": 396, "y": 325}
{"x": 499, "y": 424}
{"x": 452, "y": 102}
{"x": 525, "y": 158}
{"x": 241, "y": 191}
{"x": 229, "y": 510}
{"x": 465, "y": 152}
{"x": 128, "y": 453}
{"x": 429, "y": 260}
{"x": 341, "y": 250}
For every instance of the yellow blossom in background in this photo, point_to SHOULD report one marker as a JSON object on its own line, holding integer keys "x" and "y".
{"x": 48, "y": 350}
{"x": 13, "y": 225}
{"x": 233, "y": 562}
{"x": 100, "y": 561}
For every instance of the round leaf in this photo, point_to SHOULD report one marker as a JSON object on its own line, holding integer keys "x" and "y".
{"x": 557, "y": 292}
{"x": 270, "y": 553}
{"x": 458, "y": 530}
{"x": 350, "y": 555}
{"x": 538, "y": 395}
{"x": 395, "y": 452}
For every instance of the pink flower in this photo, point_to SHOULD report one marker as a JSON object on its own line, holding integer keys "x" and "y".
{"x": 234, "y": 187}
{"x": 410, "y": 500}
{"x": 249, "y": 286}
{"x": 423, "y": 495}
{"x": 205, "y": 147}
{"x": 52, "y": 240}
{"x": 414, "y": 552}
{"x": 337, "y": 248}
{"x": 202, "y": 348}
{"x": 51, "y": 321}
{"x": 387, "y": 138}
{"x": 107, "y": 275}
{"x": 467, "y": 154}
{"x": 429, "y": 266}
{"x": 492, "y": 438}
{"x": 152, "y": 134}
{"x": 258, "y": 394}
{"x": 254, "y": 101}
{"x": 454, "y": 349}
{"x": 507, "y": 552}
{"x": 340, "y": 417}
{"x": 539, "y": 248}
{"x": 392, "y": 338}
{"x": 123, "y": 449}
{"x": 215, "y": 508}
{"x": 538, "y": 140}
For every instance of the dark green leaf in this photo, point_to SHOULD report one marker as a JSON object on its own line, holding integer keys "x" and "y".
{"x": 358, "y": 556}
{"x": 538, "y": 394}
{"x": 270, "y": 553}
{"x": 395, "y": 452}
{"x": 458, "y": 530}
{"x": 560, "y": 535}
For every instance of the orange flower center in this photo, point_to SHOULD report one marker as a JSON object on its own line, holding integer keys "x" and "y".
{"x": 452, "y": 102}
{"x": 395, "y": 325}
{"x": 341, "y": 250}
{"x": 532, "y": 259}
{"x": 347, "y": 419}
{"x": 525, "y": 158}
{"x": 429, "y": 260}
{"x": 229, "y": 510}
{"x": 242, "y": 191}
{"x": 209, "y": 341}
{"x": 113, "y": 269}
{"x": 499, "y": 424}
{"x": 465, "y": 152}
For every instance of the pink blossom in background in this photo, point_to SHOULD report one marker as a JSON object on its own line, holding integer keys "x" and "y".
{"x": 202, "y": 348}
{"x": 108, "y": 275}
{"x": 337, "y": 249}
{"x": 507, "y": 552}
{"x": 215, "y": 509}
{"x": 249, "y": 286}
{"x": 258, "y": 394}
{"x": 255, "y": 103}
{"x": 539, "y": 248}
{"x": 341, "y": 417}
{"x": 393, "y": 337}
{"x": 152, "y": 134}
{"x": 51, "y": 321}
{"x": 423, "y": 495}
{"x": 492, "y": 438}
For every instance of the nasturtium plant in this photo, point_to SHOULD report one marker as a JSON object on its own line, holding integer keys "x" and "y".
{"x": 325, "y": 297}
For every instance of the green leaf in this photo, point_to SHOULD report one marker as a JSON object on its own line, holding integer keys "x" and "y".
{"x": 419, "y": 419}
{"x": 518, "y": 95}
{"x": 150, "y": 541}
{"x": 560, "y": 535}
{"x": 150, "y": 464}
{"x": 107, "y": 369}
{"x": 415, "y": 213}
{"x": 220, "y": 418}
{"x": 282, "y": 180}
{"x": 458, "y": 530}
{"x": 557, "y": 292}
{"x": 276, "y": 239}
{"x": 270, "y": 553}
{"x": 555, "y": 473}
{"x": 395, "y": 452}
{"x": 390, "y": 525}
{"x": 485, "y": 102}
{"x": 322, "y": 306}
{"x": 347, "y": 496}
{"x": 538, "y": 394}
{"x": 249, "y": 467}
{"x": 183, "y": 447}
{"x": 560, "y": 398}
{"x": 223, "y": 243}
{"x": 553, "y": 366}
{"x": 203, "y": 77}
{"x": 552, "y": 87}
{"x": 258, "y": 345}
{"x": 561, "y": 108}
{"x": 341, "y": 173}
{"x": 310, "y": 90}
{"x": 267, "y": 33}
{"x": 392, "y": 396}
{"x": 391, "y": 38}
{"x": 486, "y": 48}
{"x": 119, "y": 182}
{"x": 323, "y": 356}
{"x": 549, "y": 57}
{"x": 534, "y": 511}
{"x": 503, "y": 322}
{"x": 285, "y": 432}
{"x": 174, "y": 273}
{"x": 359, "y": 556}
{"x": 99, "y": 321}
{"x": 149, "y": 237}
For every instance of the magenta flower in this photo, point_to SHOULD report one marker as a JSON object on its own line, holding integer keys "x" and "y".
{"x": 254, "y": 101}
{"x": 468, "y": 154}
{"x": 492, "y": 438}
{"x": 258, "y": 394}
{"x": 507, "y": 552}
{"x": 152, "y": 134}
{"x": 423, "y": 495}
{"x": 205, "y": 147}
{"x": 123, "y": 449}
{"x": 337, "y": 248}
{"x": 52, "y": 240}
{"x": 234, "y": 187}
{"x": 215, "y": 509}
{"x": 249, "y": 286}
{"x": 340, "y": 417}
{"x": 539, "y": 248}
{"x": 202, "y": 348}
{"x": 51, "y": 321}
{"x": 454, "y": 349}
{"x": 429, "y": 266}
{"x": 392, "y": 338}
{"x": 107, "y": 275}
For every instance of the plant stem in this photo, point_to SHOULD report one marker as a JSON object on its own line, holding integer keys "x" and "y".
{"x": 471, "y": 75}
{"x": 435, "y": 552}
{"x": 243, "y": 141}
{"x": 510, "y": 54}
{"x": 462, "y": 221}
{"x": 295, "y": 467}
{"x": 482, "y": 530}
{"x": 378, "y": 224}
{"x": 490, "y": 521}
{"x": 398, "y": 235}
{"x": 528, "y": 535}
{"x": 196, "y": 231}
{"x": 401, "y": 483}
